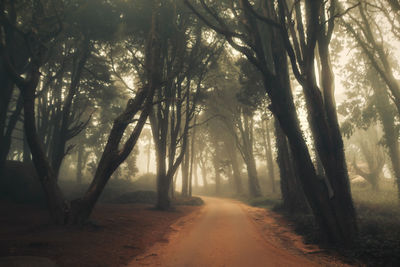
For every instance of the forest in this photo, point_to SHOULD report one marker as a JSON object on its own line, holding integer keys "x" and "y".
{"x": 168, "y": 109}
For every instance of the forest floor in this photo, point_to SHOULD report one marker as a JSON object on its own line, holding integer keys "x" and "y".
{"x": 117, "y": 233}
{"x": 378, "y": 213}
{"x": 229, "y": 233}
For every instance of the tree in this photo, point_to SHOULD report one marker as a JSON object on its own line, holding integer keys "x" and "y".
{"x": 292, "y": 195}
{"x": 368, "y": 144}
{"x": 370, "y": 36}
{"x": 185, "y": 58}
{"x": 17, "y": 54}
{"x": 147, "y": 135}
{"x": 368, "y": 102}
{"x": 266, "y": 137}
{"x": 27, "y": 82}
{"x": 334, "y": 213}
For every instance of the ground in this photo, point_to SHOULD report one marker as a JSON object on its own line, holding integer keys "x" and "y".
{"x": 229, "y": 233}
{"x": 223, "y": 232}
{"x": 116, "y": 235}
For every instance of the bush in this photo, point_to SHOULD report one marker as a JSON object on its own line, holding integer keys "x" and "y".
{"x": 266, "y": 202}
{"x": 20, "y": 184}
{"x": 144, "y": 197}
{"x": 188, "y": 201}
{"x": 378, "y": 242}
{"x": 146, "y": 182}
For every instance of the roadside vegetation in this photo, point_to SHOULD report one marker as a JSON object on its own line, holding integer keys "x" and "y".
{"x": 378, "y": 217}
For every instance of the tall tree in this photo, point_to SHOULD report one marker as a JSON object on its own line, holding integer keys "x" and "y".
{"x": 185, "y": 58}
{"x": 370, "y": 36}
{"x": 334, "y": 212}
{"x": 114, "y": 153}
{"x": 367, "y": 102}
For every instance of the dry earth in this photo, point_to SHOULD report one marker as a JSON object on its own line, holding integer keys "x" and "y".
{"x": 229, "y": 233}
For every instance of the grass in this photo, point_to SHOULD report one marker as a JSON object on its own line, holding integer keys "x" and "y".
{"x": 378, "y": 243}
{"x": 269, "y": 201}
{"x": 378, "y": 213}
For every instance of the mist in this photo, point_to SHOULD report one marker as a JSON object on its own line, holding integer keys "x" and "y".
{"x": 159, "y": 110}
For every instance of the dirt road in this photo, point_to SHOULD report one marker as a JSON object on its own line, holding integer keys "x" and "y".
{"x": 222, "y": 234}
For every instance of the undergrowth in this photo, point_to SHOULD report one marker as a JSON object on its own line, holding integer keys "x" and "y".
{"x": 378, "y": 213}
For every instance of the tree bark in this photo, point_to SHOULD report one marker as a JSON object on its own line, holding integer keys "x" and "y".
{"x": 391, "y": 136}
{"x": 79, "y": 165}
{"x": 216, "y": 161}
{"x": 245, "y": 126}
{"x": 268, "y": 155}
{"x": 185, "y": 174}
{"x": 292, "y": 193}
{"x": 54, "y": 197}
{"x": 326, "y": 212}
{"x": 230, "y": 147}
{"x": 204, "y": 177}
{"x": 254, "y": 186}
{"x": 148, "y": 155}
{"x": 192, "y": 156}
{"x": 113, "y": 156}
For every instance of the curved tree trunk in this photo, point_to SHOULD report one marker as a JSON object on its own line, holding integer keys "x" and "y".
{"x": 335, "y": 228}
{"x": 54, "y": 198}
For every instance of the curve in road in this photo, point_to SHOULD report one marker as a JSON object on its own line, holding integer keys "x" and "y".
{"x": 221, "y": 235}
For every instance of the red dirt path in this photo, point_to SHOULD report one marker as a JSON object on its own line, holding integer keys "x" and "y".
{"x": 230, "y": 233}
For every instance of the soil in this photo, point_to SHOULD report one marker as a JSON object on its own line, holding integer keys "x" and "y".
{"x": 116, "y": 234}
{"x": 229, "y": 233}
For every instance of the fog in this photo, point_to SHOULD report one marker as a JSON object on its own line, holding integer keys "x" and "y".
{"x": 294, "y": 104}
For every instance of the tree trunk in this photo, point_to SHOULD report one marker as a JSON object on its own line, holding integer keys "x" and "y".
{"x": 254, "y": 186}
{"x": 63, "y": 134}
{"x": 292, "y": 193}
{"x": 324, "y": 210}
{"x": 113, "y": 156}
{"x": 246, "y": 131}
{"x": 230, "y": 147}
{"x": 27, "y": 151}
{"x": 79, "y": 165}
{"x": 5, "y": 142}
{"x": 195, "y": 175}
{"x": 148, "y": 155}
{"x": 54, "y": 197}
{"x": 192, "y": 157}
{"x": 328, "y": 141}
{"x": 391, "y": 136}
{"x": 268, "y": 154}
{"x": 334, "y": 214}
{"x": 204, "y": 177}
{"x": 217, "y": 172}
{"x": 6, "y": 90}
{"x": 163, "y": 185}
{"x": 185, "y": 174}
